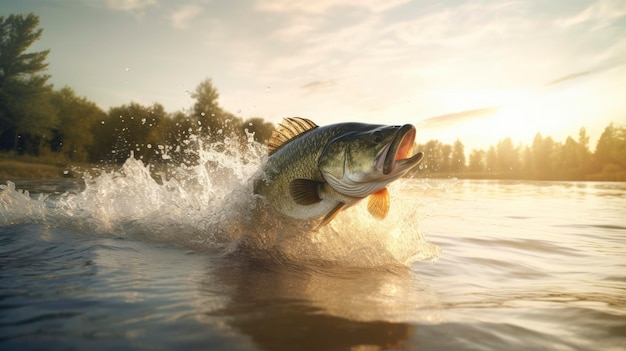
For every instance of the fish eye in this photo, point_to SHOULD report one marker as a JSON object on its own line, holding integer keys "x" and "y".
{"x": 377, "y": 137}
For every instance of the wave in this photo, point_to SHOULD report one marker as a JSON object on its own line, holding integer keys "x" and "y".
{"x": 208, "y": 205}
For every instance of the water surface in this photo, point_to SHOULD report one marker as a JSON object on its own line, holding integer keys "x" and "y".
{"x": 123, "y": 261}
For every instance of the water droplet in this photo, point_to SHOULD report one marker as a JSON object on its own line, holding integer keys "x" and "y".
{"x": 202, "y": 114}
{"x": 149, "y": 146}
{"x": 127, "y": 69}
{"x": 143, "y": 121}
{"x": 239, "y": 111}
{"x": 102, "y": 122}
{"x": 250, "y": 124}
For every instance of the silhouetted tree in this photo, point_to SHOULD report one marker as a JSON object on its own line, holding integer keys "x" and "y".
{"x": 611, "y": 149}
{"x": 569, "y": 165}
{"x": 433, "y": 156}
{"x": 584, "y": 153}
{"x": 507, "y": 157}
{"x": 477, "y": 161}
{"x": 543, "y": 157}
{"x": 457, "y": 162}
{"x": 491, "y": 157}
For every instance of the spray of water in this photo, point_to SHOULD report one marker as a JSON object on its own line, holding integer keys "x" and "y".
{"x": 209, "y": 205}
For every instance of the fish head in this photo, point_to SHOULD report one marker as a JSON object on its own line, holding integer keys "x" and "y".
{"x": 368, "y": 157}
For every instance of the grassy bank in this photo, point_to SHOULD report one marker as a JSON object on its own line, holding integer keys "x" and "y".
{"x": 29, "y": 167}
{"x": 20, "y": 170}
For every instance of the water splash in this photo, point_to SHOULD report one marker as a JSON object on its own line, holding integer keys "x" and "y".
{"x": 209, "y": 205}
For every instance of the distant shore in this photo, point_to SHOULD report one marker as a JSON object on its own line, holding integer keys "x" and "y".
{"x": 28, "y": 167}
{"x": 597, "y": 177}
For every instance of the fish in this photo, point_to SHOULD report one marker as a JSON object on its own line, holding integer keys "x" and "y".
{"x": 314, "y": 172}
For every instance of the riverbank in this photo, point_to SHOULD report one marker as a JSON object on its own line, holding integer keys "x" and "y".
{"x": 29, "y": 167}
{"x": 11, "y": 169}
{"x": 619, "y": 176}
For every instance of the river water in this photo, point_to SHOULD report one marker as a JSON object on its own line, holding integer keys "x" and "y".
{"x": 121, "y": 261}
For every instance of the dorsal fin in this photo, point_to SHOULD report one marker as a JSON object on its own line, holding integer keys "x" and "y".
{"x": 288, "y": 129}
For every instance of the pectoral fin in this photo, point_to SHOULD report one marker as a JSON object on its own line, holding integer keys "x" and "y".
{"x": 378, "y": 204}
{"x": 332, "y": 214}
{"x": 305, "y": 191}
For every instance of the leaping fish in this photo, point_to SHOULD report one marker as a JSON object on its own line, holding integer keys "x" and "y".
{"x": 315, "y": 172}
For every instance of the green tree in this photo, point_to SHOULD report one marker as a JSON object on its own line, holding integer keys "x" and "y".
{"x": 210, "y": 116}
{"x": 132, "y": 129}
{"x": 26, "y": 116}
{"x": 262, "y": 130}
{"x": 77, "y": 116}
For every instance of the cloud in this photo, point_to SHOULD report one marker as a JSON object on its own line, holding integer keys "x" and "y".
{"x": 460, "y": 26}
{"x": 181, "y": 17}
{"x": 578, "y": 75}
{"x": 458, "y": 117}
{"x": 570, "y": 77}
{"x": 321, "y": 6}
{"x": 130, "y": 5}
{"x": 600, "y": 13}
{"x": 319, "y": 85}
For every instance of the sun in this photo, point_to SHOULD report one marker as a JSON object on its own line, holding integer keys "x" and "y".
{"x": 486, "y": 117}
{"x": 552, "y": 111}
{"x": 517, "y": 119}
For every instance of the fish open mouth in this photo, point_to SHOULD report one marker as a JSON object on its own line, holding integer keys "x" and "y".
{"x": 399, "y": 151}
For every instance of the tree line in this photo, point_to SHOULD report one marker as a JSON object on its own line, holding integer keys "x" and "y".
{"x": 37, "y": 119}
{"x": 544, "y": 159}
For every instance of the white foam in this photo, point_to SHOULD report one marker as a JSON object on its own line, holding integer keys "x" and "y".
{"x": 209, "y": 205}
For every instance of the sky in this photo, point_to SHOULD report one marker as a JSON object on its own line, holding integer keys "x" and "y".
{"x": 478, "y": 71}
